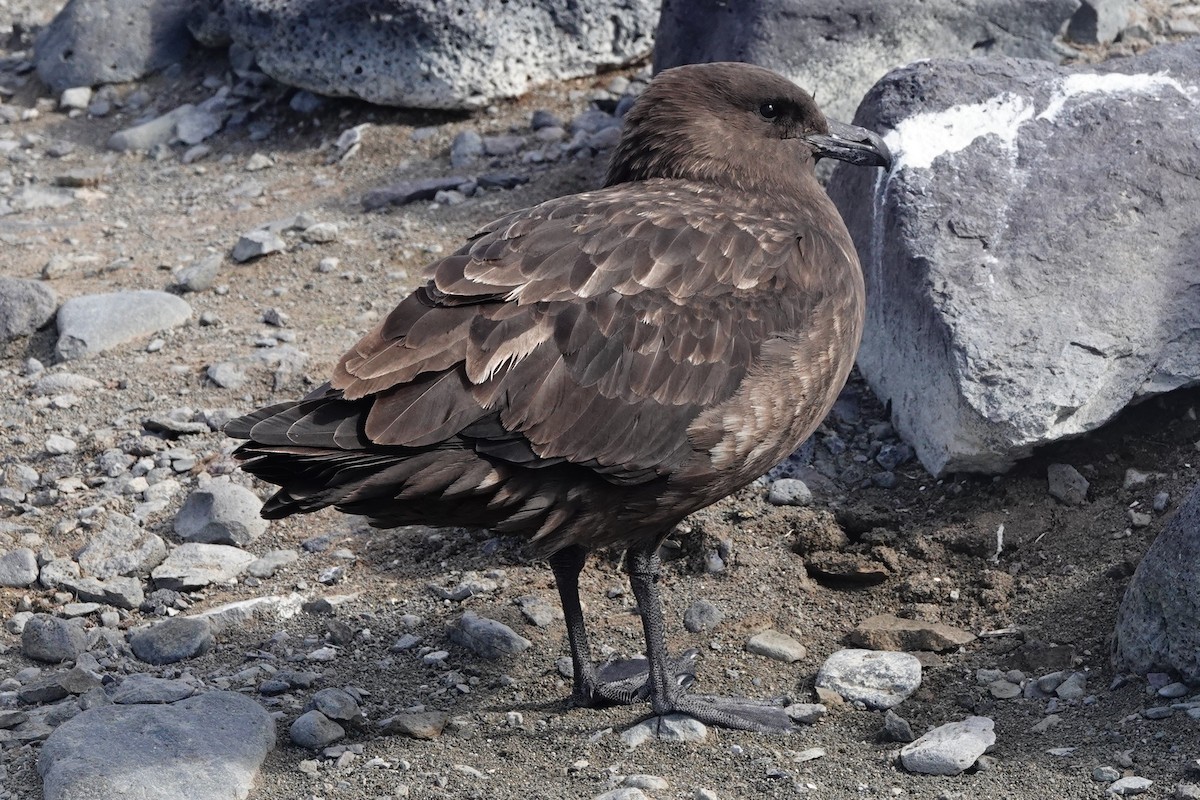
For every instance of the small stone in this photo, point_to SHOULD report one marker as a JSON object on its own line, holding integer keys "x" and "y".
{"x": 1105, "y": 774}
{"x": 221, "y": 512}
{"x": 195, "y": 565}
{"x": 896, "y": 728}
{"x": 539, "y": 612}
{"x": 337, "y": 704}
{"x": 1051, "y": 721}
{"x": 671, "y": 728}
{"x": 1129, "y": 786}
{"x": 789, "y": 492}
{"x": 140, "y": 688}
{"x": 702, "y": 615}
{"x": 76, "y": 98}
{"x": 258, "y": 162}
{"x": 255, "y": 244}
{"x": 466, "y": 148}
{"x": 622, "y": 793}
{"x": 950, "y": 748}
{"x": 52, "y": 640}
{"x": 1073, "y": 688}
{"x": 1160, "y": 502}
{"x": 269, "y": 563}
{"x": 651, "y": 783}
{"x": 314, "y": 730}
{"x": 877, "y": 679}
{"x": 18, "y": 568}
{"x": 320, "y": 233}
{"x": 776, "y": 645}
{"x": 172, "y": 640}
{"x": 57, "y": 445}
{"x": 1066, "y": 484}
{"x": 889, "y": 632}
{"x": 1158, "y": 712}
{"x": 418, "y": 725}
{"x": 1187, "y": 791}
{"x": 199, "y": 277}
{"x": 1173, "y": 690}
{"x": 487, "y": 637}
{"x": 1004, "y": 690}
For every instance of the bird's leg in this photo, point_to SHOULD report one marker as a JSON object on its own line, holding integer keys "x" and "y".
{"x": 668, "y": 696}
{"x": 615, "y": 682}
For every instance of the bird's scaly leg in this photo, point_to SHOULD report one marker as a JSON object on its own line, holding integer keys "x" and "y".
{"x": 668, "y": 696}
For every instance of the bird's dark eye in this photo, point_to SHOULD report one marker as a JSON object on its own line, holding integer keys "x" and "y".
{"x": 769, "y": 110}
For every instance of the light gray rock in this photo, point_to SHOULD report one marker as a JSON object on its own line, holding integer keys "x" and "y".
{"x": 1066, "y": 484}
{"x": 670, "y": 728}
{"x": 538, "y": 611}
{"x": 194, "y": 565}
{"x": 208, "y": 747}
{"x": 702, "y": 615}
{"x": 92, "y": 323}
{"x": 118, "y": 591}
{"x": 314, "y": 730}
{"x": 1131, "y": 785}
{"x": 269, "y": 563}
{"x": 487, "y": 637}
{"x": 449, "y": 54}
{"x": 200, "y": 276}
{"x": 111, "y": 41}
{"x": 336, "y": 704}
{"x": 840, "y": 47}
{"x": 896, "y": 728}
{"x": 466, "y": 148}
{"x": 1099, "y": 21}
{"x": 18, "y": 568}
{"x": 1157, "y": 627}
{"x": 64, "y": 382}
{"x": 255, "y": 244}
{"x": 950, "y": 748}
{"x": 1073, "y": 688}
{"x": 25, "y": 306}
{"x": 140, "y": 688}
{"x": 220, "y": 513}
{"x": 52, "y": 640}
{"x": 121, "y": 548}
{"x": 149, "y": 134}
{"x": 789, "y": 492}
{"x": 776, "y": 645}
{"x": 172, "y": 640}
{"x": 993, "y": 199}
{"x": 878, "y": 679}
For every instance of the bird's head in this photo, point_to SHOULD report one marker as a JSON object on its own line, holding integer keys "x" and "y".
{"x": 736, "y": 124}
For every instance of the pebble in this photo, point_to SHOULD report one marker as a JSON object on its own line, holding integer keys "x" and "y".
{"x": 1158, "y": 712}
{"x": 221, "y": 512}
{"x": 1066, "y": 484}
{"x": 951, "y": 748}
{"x": 1073, "y": 688}
{"x": 314, "y": 730}
{"x": 1173, "y": 690}
{"x": 538, "y": 611}
{"x": 195, "y": 565}
{"x": 172, "y": 640}
{"x": 622, "y": 793}
{"x": 146, "y": 136}
{"x": 702, "y": 615}
{"x": 1105, "y": 774}
{"x": 1051, "y": 721}
{"x": 18, "y": 568}
{"x": 466, "y": 147}
{"x": 269, "y": 563}
{"x": 896, "y": 728}
{"x": 200, "y": 276}
{"x": 1187, "y": 791}
{"x": 320, "y": 233}
{"x": 1160, "y": 502}
{"x": 52, "y": 640}
{"x": 877, "y": 679}
{"x": 93, "y": 323}
{"x": 257, "y": 162}
{"x": 889, "y": 632}
{"x": 57, "y": 445}
{"x": 139, "y": 688}
{"x": 415, "y": 724}
{"x": 487, "y": 637}
{"x": 255, "y": 244}
{"x": 671, "y": 728}
{"x": 337, "y": 704}
{"x": 789, "y": 492}
{"x": 1004, "y": 690}
{"x": 217, "y": 741}
{"x": 777, "y": 646}
{"x": 1129, "y": 786}
{"x": 25, "y": 307}
{"x": 77, "y": 97}
{"x": 120, "y": 592}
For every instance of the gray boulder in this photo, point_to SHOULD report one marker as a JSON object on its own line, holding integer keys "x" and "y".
{"x": 838, "y": 48}
{"x": 96, "y": 322}
{"x": 878, "y": 679}
{"x": 1030, "y": 258}
{"x": 121, "y": 548}
{"x": 451, "y": 54}
{"x": 1158, "y": 624}
{"x": 220, "y": 513}
{"x": 111, "y": 41}
{"x": 25, "y": 306}
{"x": 207, "y": 747}
{"x": 951, "y": 748}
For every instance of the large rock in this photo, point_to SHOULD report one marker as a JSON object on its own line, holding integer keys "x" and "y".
{"x": 1030, "y": 258}
{"x": 220, "y": 513}
{"x": 951, "y": 748}
{"x": 96, "y": 322}
{"x": 1158, "y": 624}
{"x": 25, "y": 306}
{"x": 111, "y": 41}
{"x": 121, "y": 548}
{"x": 838, "y": 48}
{"x": 451, "y": 54}
{"x": 195, "y": 565}
{"x": 207, "y": 747}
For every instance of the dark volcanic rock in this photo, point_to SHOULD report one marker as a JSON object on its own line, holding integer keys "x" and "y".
{"x": 1018, "y": 293}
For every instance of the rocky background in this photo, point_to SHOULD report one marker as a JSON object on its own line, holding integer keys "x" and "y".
{"x": 203, "y": 203}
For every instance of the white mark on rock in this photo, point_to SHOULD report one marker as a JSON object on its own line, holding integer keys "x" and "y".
{"x": 1085, "y": 83}
{"x": 920, "y": 139}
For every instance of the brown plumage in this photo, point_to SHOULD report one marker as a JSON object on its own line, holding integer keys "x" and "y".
{"x": 589, "y": 371}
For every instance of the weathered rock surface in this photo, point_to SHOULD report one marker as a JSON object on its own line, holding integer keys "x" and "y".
{"x": 840, "y": 47}
{"x": 220, "y": 513}
{"x": 193, "y": 565}
{"x": 207, "y": 747}
{"x": 121, "y": 548}
{"x": 1158, "y": 624}
{"x": 453, "y": 54}
{"x": 487, "y": 637}
{"x": 172, "y": 640}
{"x": 92, "y": 323}
{"x": 111, "y": 41}
{"x": 878, "y": 679}
{"x": 950, "y": 748}
{"x": 889, "y": 632}
{"x": 1017, "y": 293}
{"x": 25, "y": 306}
